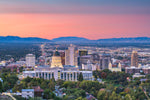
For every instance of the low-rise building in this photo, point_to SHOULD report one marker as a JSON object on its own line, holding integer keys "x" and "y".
{"x": 66, "y": 73}
{"x": 115, "y": 67}
{"x": 132, "y": 70}
{"x": 26, "y": 93}
{"x": 146, "y": 70}
{"x": 38, "y": 91}
{"x": 89, "y": 66}
{"x": 137, "y": 75}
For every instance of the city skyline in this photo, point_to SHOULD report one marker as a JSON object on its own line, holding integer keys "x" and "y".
{"x": 74, "y": 49}
{"x": 95, "y": 19}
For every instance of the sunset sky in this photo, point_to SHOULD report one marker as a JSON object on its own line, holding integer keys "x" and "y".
{"x": 92, "y": 19}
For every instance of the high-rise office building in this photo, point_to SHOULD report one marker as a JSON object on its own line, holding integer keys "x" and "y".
{"x": 62, "y": 55}
{"x": 42, "y": 49}
{"x": 83, "y": 52}
{"x": 105, "y": 59}
{"x": 71, "y": 56}
{"x": 134, "y": 59}
{"x": 30, "y": 60}
{"x": 95, "y": 58}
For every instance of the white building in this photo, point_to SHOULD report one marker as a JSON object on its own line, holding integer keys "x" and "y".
{"x": 137, "y": 75}
{"x": 66, "y": 72}
{"x": 2, "y": 63}
{"x": 30, "y": 60}
{"x": 26, "y": 93}
{"x": 71, "y": 56}
{"x": 1, "y": 80}
{"x": 21, "y": 63}
{"x": 89, "y": 66}
{"x": 115, "y": 68}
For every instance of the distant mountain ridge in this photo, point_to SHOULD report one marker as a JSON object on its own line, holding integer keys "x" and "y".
{"x": 9, "y": 39}
{"x": 126, "y": 40}
{"x": 109, "y": 40}
{"x": 70, "y": 39}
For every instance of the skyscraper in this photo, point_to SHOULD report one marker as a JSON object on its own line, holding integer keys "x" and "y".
{"x": 83, "y": 52}
{"x": 105, "y": 59}
{"x": 134, "y": 59}
{"x": 30, "y": 60}
{"x": 42, "y": 49}
{"x": 62, "y": 55}
{"x": 71, "y": 56}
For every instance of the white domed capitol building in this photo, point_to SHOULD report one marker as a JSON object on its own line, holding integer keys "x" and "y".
{"x": 58, "y": 71}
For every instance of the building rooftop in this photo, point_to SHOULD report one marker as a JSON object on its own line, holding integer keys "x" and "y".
{"x": 69, "y": 66}
{"x": 56, "y": 53}
{"x": 86, "y": 56}
{"x": 38, "y": 89}
{"x": 30, "y": 55}
{"x": 26, "y": 90}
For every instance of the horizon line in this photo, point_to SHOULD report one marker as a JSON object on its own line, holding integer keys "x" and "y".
{"x": 73, "y": 36}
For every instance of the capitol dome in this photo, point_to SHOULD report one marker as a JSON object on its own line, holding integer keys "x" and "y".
{"x": 56, "y": 60}
{"x": 56, "y": 53}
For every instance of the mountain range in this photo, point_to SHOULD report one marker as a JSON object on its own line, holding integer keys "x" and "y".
{"x": 12, "y": 39}
{"x": 16, "y": 39}
{"x": 109, "y": 40}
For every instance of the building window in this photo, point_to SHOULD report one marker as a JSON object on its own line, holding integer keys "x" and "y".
{"x": 71, "y": 76}
{"x": 65, "y": 75}
{"x": 58, "y": 74}
{"x": 74, "y": 76}
{"x": 68, "y": 76}
{"x": 36, "y": 74}
{"x": 77, "y": 75}
{"x": 49, "y": 76}
{"x": 40, "y": 75}
{"x": 61, "y": 75}
{"x": 52, "y": 74}
{"x": 46, "y": 75}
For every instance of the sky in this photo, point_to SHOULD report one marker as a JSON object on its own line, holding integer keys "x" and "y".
{"x": 92, "y": 19}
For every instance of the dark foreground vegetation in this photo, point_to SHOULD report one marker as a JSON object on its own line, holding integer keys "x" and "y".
{"x": 115, "y": 86}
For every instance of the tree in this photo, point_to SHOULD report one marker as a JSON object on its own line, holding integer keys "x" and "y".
{"x": 107, "y": 71}
{"x": 19, "y": 97}
{"x": 5, "y": 86}
{"x": 101, "y": 94}
{"x": 80, "y": 78}
{"x": 51, "y": 86}
{"x": 97, "y": 74}
{"x": 91, "y": 86}
{"x": 48, "y": 94}
{"x": 1, "y": 87}
{"x": 80, "y": 98}
{"x": 113, "y": 96}
{"x": 69, "y": 84}
{"x": 128, "y": 97}
{"x": 103, "y": 75}
{"x": 52, "y": 79}
{"x": 44, "y": 85}
{"x": 78, "y": 93}
{"x": 17, "y": 88}
{"x": 36, "y": 98}
{"x": 59, "y": 82}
